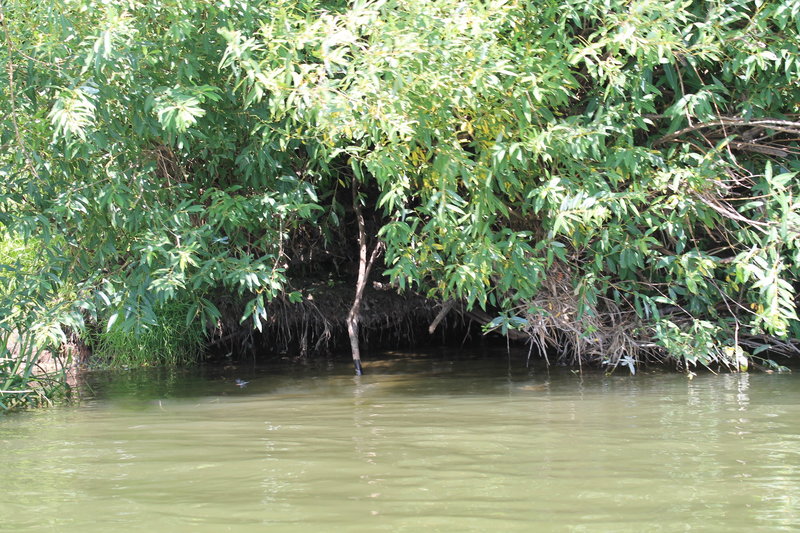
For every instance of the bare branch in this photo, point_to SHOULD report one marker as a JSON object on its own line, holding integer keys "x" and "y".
{"x": 446, "y": 307}
{"x": 754, "y": 126}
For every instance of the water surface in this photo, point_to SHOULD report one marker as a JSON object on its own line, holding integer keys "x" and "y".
{"x": 417, "y": 444}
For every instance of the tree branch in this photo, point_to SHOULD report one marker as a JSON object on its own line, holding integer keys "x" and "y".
{"x": 364, "y": 267}
{"x": 784, "y": 126}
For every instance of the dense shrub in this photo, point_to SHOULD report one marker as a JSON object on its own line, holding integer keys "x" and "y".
{"x": 614, "y": 177}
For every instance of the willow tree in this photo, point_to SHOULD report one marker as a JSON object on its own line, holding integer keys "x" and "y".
{"x": 615, "y": 178}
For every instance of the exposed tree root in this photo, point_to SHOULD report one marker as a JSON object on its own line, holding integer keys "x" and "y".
{"x": 601, "y": 333}
{"x": 317, "y": 325}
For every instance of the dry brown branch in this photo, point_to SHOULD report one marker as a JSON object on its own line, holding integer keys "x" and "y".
{"x": 759, "y": 148}
{"x": 785, "y": 126}
{"x": 728, "y": 212}
{"x": 168, "y": 167}
{"x": 602, "y": 333}
{"x": 789, "y": 347}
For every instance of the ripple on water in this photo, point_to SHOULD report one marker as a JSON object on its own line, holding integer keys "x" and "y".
{"x": 476, "y": 447}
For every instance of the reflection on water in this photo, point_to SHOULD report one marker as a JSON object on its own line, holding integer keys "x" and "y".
{"x": 418, "y": 443}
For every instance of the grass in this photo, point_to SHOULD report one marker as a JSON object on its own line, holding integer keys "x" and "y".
{"x": 170, "y": 343}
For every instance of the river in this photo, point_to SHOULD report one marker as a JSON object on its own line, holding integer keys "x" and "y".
{"x": 432, "y": 443}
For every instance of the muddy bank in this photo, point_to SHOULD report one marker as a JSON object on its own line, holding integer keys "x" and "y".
{"x": 317, "y": 324}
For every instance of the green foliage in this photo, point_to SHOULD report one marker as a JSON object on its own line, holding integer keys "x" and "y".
{"x": 17, "y": 259}
{"x": 170, "y": 149}
{"x": 700, "y": 343}
{"x": 170, "y": 342}
{"x": 21, "y": 385}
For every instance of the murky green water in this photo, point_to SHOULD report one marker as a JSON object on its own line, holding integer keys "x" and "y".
{"x": 415, "y": 445}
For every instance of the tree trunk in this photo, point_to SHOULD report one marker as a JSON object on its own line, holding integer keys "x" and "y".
{"x": 364, "y": 267}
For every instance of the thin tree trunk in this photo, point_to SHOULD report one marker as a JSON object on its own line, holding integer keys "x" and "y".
{"x": 364, "y": 267}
